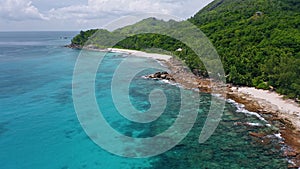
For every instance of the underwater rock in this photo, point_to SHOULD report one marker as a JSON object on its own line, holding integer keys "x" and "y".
{"x": 258, "y": 135}
{"x": 289, "y": 153}
{"x": 207, "y": 154}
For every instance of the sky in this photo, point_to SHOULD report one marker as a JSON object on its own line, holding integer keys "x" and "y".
{"x": 74, "y": 15}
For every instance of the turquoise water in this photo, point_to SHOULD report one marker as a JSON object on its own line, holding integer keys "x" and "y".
{"x": 39, "y": 128}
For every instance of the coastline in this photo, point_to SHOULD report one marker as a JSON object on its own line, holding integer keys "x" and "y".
{"x": 141, "y": 54}
{"x": 285, "y": 107}
{"x": 282, "y": 113}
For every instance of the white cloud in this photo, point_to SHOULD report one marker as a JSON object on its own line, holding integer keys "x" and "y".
{"x": 19, "y": 10}
{"x": 84, "y": 14}
{"x": 97, "y": 9}
{"x": 128, "y": 6}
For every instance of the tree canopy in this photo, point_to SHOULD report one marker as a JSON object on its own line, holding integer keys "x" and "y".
{"x": 258, "y": 41}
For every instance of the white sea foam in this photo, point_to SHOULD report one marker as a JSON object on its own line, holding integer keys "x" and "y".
{"x": 161, "y": 63}
{"x": 268, "y": 125}
{"x": 292, "y": 162}
{"x": 287, "y": 108}
{"x": 166, "y": 81}
{"x": 217, "y": 95}
{"x": 196, "y": 89}
{"x": 278, "y": 136}
{"x": 255, "y": 124}
{"x": 171, "y": 83}
{"x": 241, "y": 109}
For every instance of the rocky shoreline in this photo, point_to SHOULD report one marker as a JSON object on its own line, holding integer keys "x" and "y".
{"x": 288, "y": 130}
{"x": 288, "y": 127}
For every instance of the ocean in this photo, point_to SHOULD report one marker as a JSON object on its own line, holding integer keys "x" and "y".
{"x": 39, "y": 127}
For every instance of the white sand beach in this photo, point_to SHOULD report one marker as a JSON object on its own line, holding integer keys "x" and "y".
{"x": 287, "y": 108}
{"x": 260, "y": 101}
{"x": 141, "y": 54}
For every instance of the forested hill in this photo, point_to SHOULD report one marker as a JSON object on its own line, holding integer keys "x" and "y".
{"x": 257, "y": 40}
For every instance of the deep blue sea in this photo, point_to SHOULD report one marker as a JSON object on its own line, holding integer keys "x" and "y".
{"x": 39, "y": 128}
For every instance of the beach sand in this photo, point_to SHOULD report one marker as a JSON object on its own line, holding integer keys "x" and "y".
{"x": 141, "y": 54}
{"x": 286, "y": 108}
{"x": 286, "y": 111}
{"x": 278, "y": 111}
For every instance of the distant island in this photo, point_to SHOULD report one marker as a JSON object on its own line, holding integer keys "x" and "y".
{"x": 258, "y": 42}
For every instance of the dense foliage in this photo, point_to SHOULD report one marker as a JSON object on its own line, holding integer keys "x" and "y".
{"x": 258, "y": 41}
{"x": 83, "y": 37}
{"x": 150, "y": 42}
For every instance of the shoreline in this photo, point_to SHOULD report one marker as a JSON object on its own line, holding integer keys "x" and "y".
{"x": 285, "y": 107}
{"x": 284, "y": 114}
{"x": 281, "y": 113}
{"x": 141, "y": 54}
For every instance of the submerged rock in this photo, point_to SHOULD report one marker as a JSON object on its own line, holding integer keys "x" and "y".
{"x": 73, "y": 46}
{"x": 258, "y": 135}
{"x": 290, "y": 153}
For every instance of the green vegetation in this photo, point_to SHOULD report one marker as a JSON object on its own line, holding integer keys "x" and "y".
{"x": 134, "y": 37}
{"x": 258, "y": 41}
{"x": 82, "y": 37}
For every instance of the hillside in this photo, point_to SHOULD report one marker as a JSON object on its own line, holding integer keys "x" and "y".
{"x": 258, "y": 41}
{"x": 150, "y": 42}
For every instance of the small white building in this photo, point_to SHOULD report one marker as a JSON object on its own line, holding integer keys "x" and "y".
{"x": 179, "y": 50}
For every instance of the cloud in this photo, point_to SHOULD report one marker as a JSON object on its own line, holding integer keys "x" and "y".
{"x": 84, "y": 14}
{"x": 97, "y": 9}
{"x": 19, "y": 10}
{"x": 128, "y": 6}
{"x": 108, "y": 10}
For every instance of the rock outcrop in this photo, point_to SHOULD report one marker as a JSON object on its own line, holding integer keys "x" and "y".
{"x": 73, "y": 46}
{"x": 161, "y": 75}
